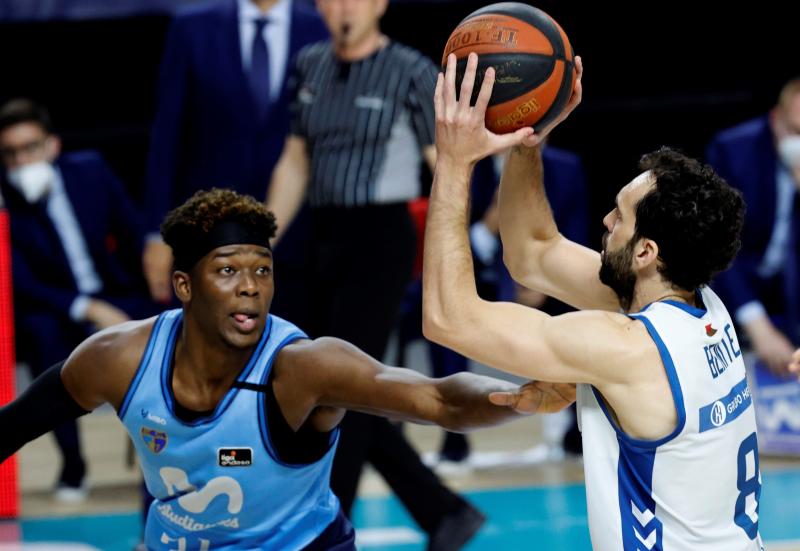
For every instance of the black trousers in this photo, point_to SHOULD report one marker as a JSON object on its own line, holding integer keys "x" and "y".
{"x": 45, "y": 338}
{"x": 360, "y": 266}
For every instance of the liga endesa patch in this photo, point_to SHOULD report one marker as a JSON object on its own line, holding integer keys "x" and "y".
{"x": 235, "y": 457}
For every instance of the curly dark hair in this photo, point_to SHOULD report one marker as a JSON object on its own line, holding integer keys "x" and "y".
{"x": 186, "y": 225}
{"x": 693, "y": 215}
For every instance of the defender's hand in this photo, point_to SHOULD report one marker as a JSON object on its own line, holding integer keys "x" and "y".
{"x": 536, "y": 397}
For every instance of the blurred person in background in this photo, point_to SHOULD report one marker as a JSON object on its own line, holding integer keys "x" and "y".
{"x": 76, "y": 241}
{"x": 222, "y": 117}
{"x": 362, "y": 124}
{"x": 761, "y": 158}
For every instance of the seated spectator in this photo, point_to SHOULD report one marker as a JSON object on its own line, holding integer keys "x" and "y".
{"x": 72, "y": 231}
{"x": 761, "y": 158}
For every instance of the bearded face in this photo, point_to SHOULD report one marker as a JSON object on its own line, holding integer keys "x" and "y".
{"x": 616, "y": 271}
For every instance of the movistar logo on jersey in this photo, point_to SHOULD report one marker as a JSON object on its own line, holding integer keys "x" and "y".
{"x": 155, "y": 440}
{"x": 235, "y": 457}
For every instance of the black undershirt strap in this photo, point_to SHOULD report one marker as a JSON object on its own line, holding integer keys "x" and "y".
{"x": 305, "y": 446}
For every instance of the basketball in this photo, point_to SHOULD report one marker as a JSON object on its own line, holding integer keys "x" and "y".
{"x": 533, "y": 61}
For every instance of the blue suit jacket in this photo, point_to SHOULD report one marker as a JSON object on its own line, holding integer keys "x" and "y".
{"x": 206, "y": 132}
{"x": 745, "y": 156}
{"x": 565, "y": 185}
{"x": 111, "y": 228}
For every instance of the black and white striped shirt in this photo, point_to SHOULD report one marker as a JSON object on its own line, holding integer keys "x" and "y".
{"x": 365, "y": 123}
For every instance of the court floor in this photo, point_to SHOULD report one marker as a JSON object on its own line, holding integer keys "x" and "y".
{"x": 532, "y": 500}
{"x": 536, "y": 517}
{"x": 531, "y": 503}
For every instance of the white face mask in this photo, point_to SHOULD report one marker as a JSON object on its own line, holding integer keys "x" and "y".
{"x": 789, "y": 151}
{"x": 33, "y": 180}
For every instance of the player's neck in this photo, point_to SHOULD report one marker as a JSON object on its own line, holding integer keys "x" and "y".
{"x": 206, "y": 361}
{"x": 647, "y": 292}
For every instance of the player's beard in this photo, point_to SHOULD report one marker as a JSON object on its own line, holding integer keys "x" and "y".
{"x": 616, "y": 271}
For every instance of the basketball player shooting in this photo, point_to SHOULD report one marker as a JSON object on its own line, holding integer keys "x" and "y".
{"x": 222, "y": 399}
{"x": 664, "y": 406}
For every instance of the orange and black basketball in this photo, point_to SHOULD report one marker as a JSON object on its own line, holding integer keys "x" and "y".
{"x": 532, "y": 58}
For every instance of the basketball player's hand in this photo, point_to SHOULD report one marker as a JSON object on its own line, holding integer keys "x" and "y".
{"x": 461, "y": 133}
{"x": 577, "y": 94}
{"x": 536, "y": 397}
{"x": 157, "y": 265}
{"x": 794, "y": 365}
{"x": 103, "y": 314}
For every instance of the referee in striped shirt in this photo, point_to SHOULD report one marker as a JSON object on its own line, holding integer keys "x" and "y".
{"x": 362, "y": 124}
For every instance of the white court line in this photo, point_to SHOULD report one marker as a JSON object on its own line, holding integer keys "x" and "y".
{"x": 49, "y": 546}
{"x": 781, "y": 545}
{"x": 394, "y": 535}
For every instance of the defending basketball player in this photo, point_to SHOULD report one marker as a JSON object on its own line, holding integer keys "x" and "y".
{"x": 664, "y": 405}
{"x": 223, "y": 400}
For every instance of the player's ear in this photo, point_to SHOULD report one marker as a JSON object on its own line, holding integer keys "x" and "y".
{"x": 646, "y": 253}
{"x": 182, "y": 284}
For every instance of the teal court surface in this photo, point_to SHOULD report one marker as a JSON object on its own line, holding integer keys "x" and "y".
{"x": 529, "y": 518}
{"x": 532, "y": 501}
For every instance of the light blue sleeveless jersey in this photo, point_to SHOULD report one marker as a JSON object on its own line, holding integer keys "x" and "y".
{"x": 217, "y": 480}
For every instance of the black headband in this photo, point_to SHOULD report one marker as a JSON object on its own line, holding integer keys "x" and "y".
{"x": 225, "y": 233}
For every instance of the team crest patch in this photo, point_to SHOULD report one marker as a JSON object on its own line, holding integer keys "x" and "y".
{"x": 156, "y": 440}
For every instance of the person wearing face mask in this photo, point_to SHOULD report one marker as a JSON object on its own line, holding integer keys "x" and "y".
{"x": 761, "y": 157}
{"x": 71, "y": 228}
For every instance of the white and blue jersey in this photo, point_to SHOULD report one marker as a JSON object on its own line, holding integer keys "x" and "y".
{"x": 217, "y": 481}
{"x": 698, "y": 488}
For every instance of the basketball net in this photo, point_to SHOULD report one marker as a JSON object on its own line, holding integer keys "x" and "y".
{"x": 9, "y": 497}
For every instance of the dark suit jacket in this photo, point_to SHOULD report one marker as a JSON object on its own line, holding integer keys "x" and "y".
{"x": 111, "y": 228}
{"x": 565, "y": 184}
{"x": 745, "y": 156}
{"x": 206, "y": 132}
